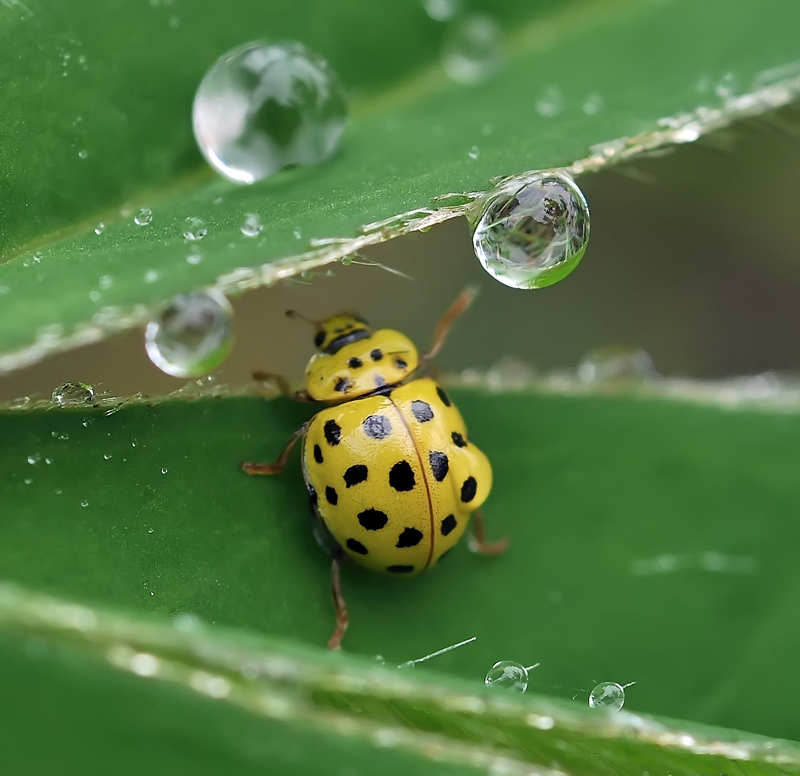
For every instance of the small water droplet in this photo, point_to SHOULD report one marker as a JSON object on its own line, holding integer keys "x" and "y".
{"x": 380, "y": 660}
{"x": 194, "y": 258}
{"x": 251, "y": 226}
{"x": 507, "y": 674}
{"x": 34, "y": 258}
{"x": 85, "y": 503}
{"x": 474, "y": 152}
{"x": 442, "y": 10}
{"x": 34, "y": 459}
{"x": 86, "y": 422}
{"x": 48, "y": 460}
{"x": 164, "y": 471}
{"x": 72, "y": 393}
{"x": 472, "y": 49}
{"x": 95, "y": 296}
{"x": 59, "y": 491}
{"x": 727, "y": 86}
{"x": 83, "y": 153}
{"x": 150, "y": 276}
{"x": 616, "y": 363}
{"x": 143, "y": 216}
{"x": 100, "y": 228}
{"x": 264, "y": 106}
{"x": 106, "y": 281}
{"x": 192, "y": 336}
{"x": 607, "y": 695}
{"x": 194, "y": 229}
{"x": 593, "y": 104}
{"x": 59, "y": 435}
{"x": 298, "y": 235}
{"x": 551, "y": 103}
{"x": 535, "y": 235}
{"x": 150, "y": 530}
{"x": 28, "y": 480}
{"x": 106, "y": 456}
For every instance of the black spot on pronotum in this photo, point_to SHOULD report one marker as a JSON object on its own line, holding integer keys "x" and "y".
{"x": 410, "y": 537}
{"x": 439, "y": 465}
{"x": 319, "y": 338}
{"x": 458, "y": 439}
{"x": 443, "y": 396}
{"x": 469, "y": 489}
{"x": 401, "y": 476}
{"x": 317, "y": 454}
{"x": 342, "y": 384}
{"x": 376, "y": 354}
{"x": 399, "y": 569}
{"x": 355, "y": 363}
{"x": 400, "y": 363}
{"x": 332, "y": 432}
{"x": 377, "y": 426}
{"x": 372, "y": 519}
{"x": 355, "y": 546}
{"x": 331, "y": 495}
{"x": 448, "y": 524}
{"x": 355, "y": 474}
{"x": 422, "y": 410}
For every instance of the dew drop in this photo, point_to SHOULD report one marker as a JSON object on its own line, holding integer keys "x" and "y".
{"x": 85, "y": 503}
{"x": 442, "y": 10}
{"x": 164, "y": 470}
{"x": 100, "y": 228}
{"x": 727, "y": 86}
{"x": 143, "y": 216}
{"x": 34, "y": 459}
{"x": 298, "y": 235}
{"x": 194, "y": 229}
{"x": 616, "y": 363}
{"x": 95, "y": 296}
{"x": 68, "y": 394}
{"x": 507, "y": 674}
{"x": 535, "y": 235}
{"x": 28, "y": 480}
{"x": 474, "y": 152}
{"x": 593, "y": 104}
{"x": 551, "y": 103}
{"x": 106, "y": 456}
{"x": 34, "y": 258}
{"x": 106, "y": 281}
{"x": 194, "y": 258}
{"x": 607, "y": 695}
{"x": 264, "y": 106}
{"x": 192, "y": 336}
{"x": 472, "y": 49}
{"x": 150, "y": 276}
{"x": 251, "y": 226}
{"x": 83, "y": 153}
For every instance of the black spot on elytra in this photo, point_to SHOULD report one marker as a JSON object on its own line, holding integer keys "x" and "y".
{"x": 439, "y": 465}
{"x": 372, "y": 519}
{"x": 469, "y": 489}
{"x": 355, "y": 546}
{"x": 377, "y": 426}
{"x": 355, "y": 363}
{"x": 342, "y": 384}
{"x": 410, "y": 537}
{"x": 422, "y": 410}
{"x": 400, "y": 363}
{"x": 319, "y": 338}
{"x": 401, "y": 476}
{"x": 355, "y": 474}
{"x": 376, "y": 354}
{"x": 448, "y": 524}
{"x": 458, "y": 439}
{"x": 443, "y": 396}
{"x": 317, "y": 454}
{"x": 332, "y": 432}
{"x": 398, "y": 569}
{"x": 331, "y": 495}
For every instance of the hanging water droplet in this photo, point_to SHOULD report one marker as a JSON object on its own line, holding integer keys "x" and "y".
{"x": 535, "y": 235}
{"x": 264, "y": 106}
{"x": 474, "y": 152}
{"x": 607, "y": 695}
{"x": 251, "y": 226}
{"x": 194, "y": 229}
{"x": 143, "y": 216}
{"x": 83, "y": 153}
{"x": 593, "y": 104}
{"x": 192, "y": 336}
{"x": 507, "y": 674}
{"x": 442, "y": 10}
{"x": 73, "y": 393}
{"x": 551, "y": 103}
{"x": 472, "y": 49}
{"x": 100, "y": 228}
{"x": 616, "y": 363}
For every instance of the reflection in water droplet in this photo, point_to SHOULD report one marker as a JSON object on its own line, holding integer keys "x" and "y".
{"x": 251, "y": 225}
{"x": 194, "y": 229}
{"x": 442, "y": 10}
{"x": 616, "y": 363}
{"x": 143, "y": 216}
{"x": 551, "y": 103}
{"x": 264, "y": 106}
{"x": 472, "y": 49}
{"x": 193, "y": 335}
{"x": 507, "y": 674}
{"x": 534, "y": 236}
{"x": 73, "y": 393}
{"x": 100, "y": 228}
{"x": 607, "y": 695}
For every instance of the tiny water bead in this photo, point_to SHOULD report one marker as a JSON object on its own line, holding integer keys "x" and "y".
{"x": 509, "y": 675}
{"x": 100, "y": 228}
{"x": 193, "y": 335}
{"x": 535, "y": 235}
{"x": 143, "y": 216}
{"x": 607, "y": 695}
{"x": 194, "y": 229}
{"x": 472, "y": 49}
{"x": 251, "y": 225}
{"x": 73, "y": 393}
{"x": 263, "y": 106}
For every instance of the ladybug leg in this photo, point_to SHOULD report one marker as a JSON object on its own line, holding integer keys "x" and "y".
{"x": 447, "y": 320}
{"x": 281, "y": 461}
{"x": 340, "y": 607}
{"x": 478, "y": 543}
{"x": 282, "y": 383}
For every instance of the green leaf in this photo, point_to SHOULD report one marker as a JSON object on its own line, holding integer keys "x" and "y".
{"x": 124, "y": 96}
{"x": 653, "y": 542}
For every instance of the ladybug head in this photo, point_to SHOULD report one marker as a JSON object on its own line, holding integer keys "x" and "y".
{"x": 337, "y": 331}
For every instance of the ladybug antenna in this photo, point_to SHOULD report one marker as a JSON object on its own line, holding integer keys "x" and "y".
{"x": 294, "y": 314}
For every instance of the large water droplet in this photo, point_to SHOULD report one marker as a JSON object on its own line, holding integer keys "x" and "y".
{"x": 194, "y": 229}
{"x": 607, "y": 695}
{"x": 251, "y": 225}
{"x": 507, "y": 674}
{"x": 143, "y": 216}
{"x": 264, "y": 106}
{"x": 535, "y": 235}
{"x": 73, "y": 393}
{"x": 472, "y": 50}
{"x": 192, "y": 336}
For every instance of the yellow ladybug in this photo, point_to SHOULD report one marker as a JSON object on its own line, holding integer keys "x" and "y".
{"x": 389, "y": 468}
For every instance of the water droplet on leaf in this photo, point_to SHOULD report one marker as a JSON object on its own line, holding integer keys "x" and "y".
{"x": 100, "y": 228}
{"x": 264, "y": 106}
{"x": 83, "y": 153}
{"x": 551, "y": 103}
{"x": 507, "y": 674}
{"x": 143, "y": 216}
{"x": 607, "y": 695}
{"x": 616, "y": 363}
{"x": 251, "y": 225}
{"x": 194, "y": 229}
{"x": 472, "y": 49}
{"x": 73, "y": 393}
{"x": 535, "y": 235}
{"x": 474, "y": 152}
{"x": 194, "y": 258}
{"x": 593, "y": 104}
